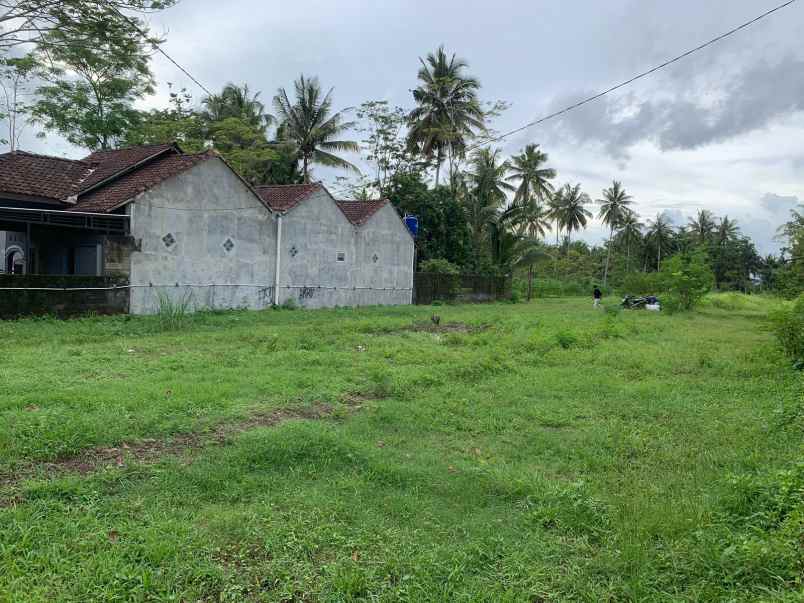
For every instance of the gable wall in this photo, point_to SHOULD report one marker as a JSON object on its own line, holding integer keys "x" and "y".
{"x": 201, "y": 208}
{"x": 318, "y": 230}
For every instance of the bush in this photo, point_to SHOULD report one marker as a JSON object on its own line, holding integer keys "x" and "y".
{"x": 788, "y": 324}
{"x": 439, "y": 266}
{"x": 642, "y": 283}
{"x": 687, "y": 278}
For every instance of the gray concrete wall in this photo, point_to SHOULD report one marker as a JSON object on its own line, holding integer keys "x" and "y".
{"x": 390, "y": 277}
{"x": 318, "y": 230}
{"x": 202, "y": 208}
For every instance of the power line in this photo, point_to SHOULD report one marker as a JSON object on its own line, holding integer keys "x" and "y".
{"x": 633, "y": 79}
{"x": 158, "y": 48}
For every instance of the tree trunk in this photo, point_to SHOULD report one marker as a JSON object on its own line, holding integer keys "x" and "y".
{"x": 608, "y": 257}
{"x": 628, "y": 256}
{"x": 305, "y": 163}
{"x": 438, "y": 166}
{"x": 530, "y": 282}
{"x": 659, "y": 259}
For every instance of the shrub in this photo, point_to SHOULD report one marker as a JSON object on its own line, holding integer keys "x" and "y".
{"x": 687, "y": 277}
{"x": 788, "y": 324}
{"x": 439, "y": 266}
{"x": 173, "y": 314}
{"x": 642, "y": 283}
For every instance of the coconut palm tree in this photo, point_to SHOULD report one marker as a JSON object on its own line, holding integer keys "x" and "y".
{"x": 527, "y": 251}
{"x": 529, "y": 218}
{"x": 702, "y": 225}
{"x": 727, "y": 230}
{"x": 554, "y": 212}
{"x": 660, "y": 233}
{"x": 483, "y": 191}
{"x": 534, "y": 179}
{"x": 308, "y": 122}
{"x": 630, "y": 231}
{"x": 237, "y": 101}
{"x": 447, "y": 111}
{"x": 613, "y": 207}
{"x": 574, "y": 214}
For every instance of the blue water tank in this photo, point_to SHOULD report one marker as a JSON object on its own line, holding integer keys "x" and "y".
{"x": 412, "y": 223}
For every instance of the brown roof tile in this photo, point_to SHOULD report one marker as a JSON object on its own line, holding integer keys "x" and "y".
{"x": 118, "y": 192}
{"x": 40, "y": 176}
{"x": 359, "y": 212}
{"x": 111, "y": 162}
{"x": 282, "y": 197}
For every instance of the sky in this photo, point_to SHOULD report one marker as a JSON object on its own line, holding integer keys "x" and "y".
{"x": 721, "y": 130}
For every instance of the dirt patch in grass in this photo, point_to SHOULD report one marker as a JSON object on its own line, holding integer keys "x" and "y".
{"x": 151, "y": 450}
{"x": 447, "y": 327}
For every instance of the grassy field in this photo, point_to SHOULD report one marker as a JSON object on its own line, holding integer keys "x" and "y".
{"x": 531, "y": 452}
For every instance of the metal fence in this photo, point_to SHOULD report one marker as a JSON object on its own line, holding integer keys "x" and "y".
{"x": 460, "y": 288}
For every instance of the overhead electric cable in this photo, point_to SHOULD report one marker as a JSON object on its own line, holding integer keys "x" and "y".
{"x": 633, "y": 79}
{"x": 156, "y": 46}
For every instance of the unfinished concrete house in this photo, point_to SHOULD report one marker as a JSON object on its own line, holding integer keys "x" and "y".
{"x": 339, "y": 253}
{"x": 129, "y": 229}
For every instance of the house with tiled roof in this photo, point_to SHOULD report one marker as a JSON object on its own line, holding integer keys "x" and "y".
{"x": 339, "y": 253}
{"x": 187, "y": 226}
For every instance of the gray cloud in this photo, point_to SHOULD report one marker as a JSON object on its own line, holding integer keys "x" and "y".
{"x": 714, "y": 112}
{"x": 779, "y": 204}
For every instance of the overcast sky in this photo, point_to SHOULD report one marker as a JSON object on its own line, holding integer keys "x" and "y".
{"x": 722, "y": 130}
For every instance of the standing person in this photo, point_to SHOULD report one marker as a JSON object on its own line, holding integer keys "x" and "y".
{"x": 597, "y": 295}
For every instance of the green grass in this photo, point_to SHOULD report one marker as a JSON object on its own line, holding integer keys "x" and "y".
{"x": 552, "y": 453}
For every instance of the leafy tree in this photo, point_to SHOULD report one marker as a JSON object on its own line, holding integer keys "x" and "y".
{"x": 528, "y": 170}
{"x": 613, "y": 208}
{"x": 178, "y": 123}
{"x": 688, "y": 278}
{"x": 91, "y": 87}
{"x": 443, "y": 229}
{"x": 574, "y": 215}
{"x": 308, "y": 122}
{"x": 385, "y": 146}
{"x": 29, "y": 22}
{"x": 727, "y": 230}
{"x": 447, "y": 111}
{"x": 16, "y": 77}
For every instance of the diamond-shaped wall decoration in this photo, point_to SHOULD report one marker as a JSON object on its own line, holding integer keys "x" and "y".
{"x": 169, "y": 240}
{"x": 228, "y": 245}
{"x": 293, "y": 251}
{"x": 375, "y": 258}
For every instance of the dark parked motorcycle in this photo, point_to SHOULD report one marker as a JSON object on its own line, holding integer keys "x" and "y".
{"x": 648, "y": 302}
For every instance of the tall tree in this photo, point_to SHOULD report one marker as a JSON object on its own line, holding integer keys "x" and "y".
{"x": 237, "y": 101}
{"x": 529, "y": 218}
{"x": 702, "y": 226}
{"x": 16, "y": 79}
{"x": 527, "y": 252}
{"x": 630, "y": 232}
{"x": 613, "y": 208}
{"x": 92, "y": 86}
{"x": 727, "y": 230}
{"x": 555, "y": 203}
{"x": 447, "y": 111}
{"x": 308, "y": 122}
{"x": 28, "y": 22}
{"x": 660, "y": 233}
{"x": 573, "y": 209}
{"x": 529, "y": 171}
